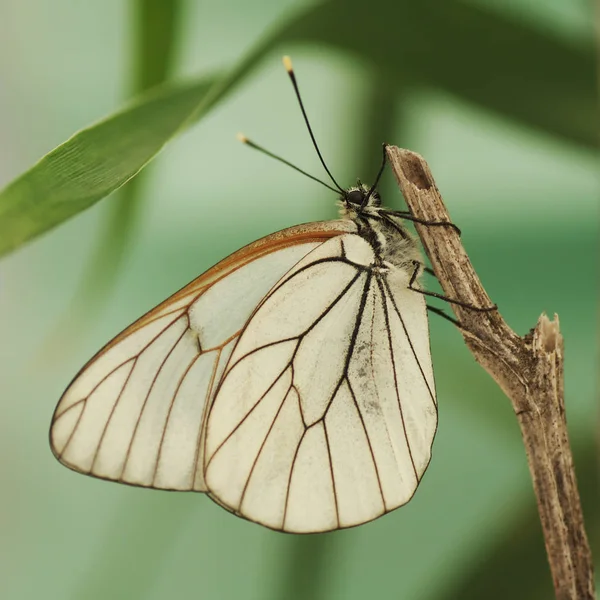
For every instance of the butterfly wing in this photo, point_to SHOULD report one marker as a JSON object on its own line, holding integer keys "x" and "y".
{"x": 326, "y": 411}
{"x": 136, "y": 412}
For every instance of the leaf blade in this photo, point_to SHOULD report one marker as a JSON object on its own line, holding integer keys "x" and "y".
{"x": 93, "y": 163}
{"x": 156, "y": 31}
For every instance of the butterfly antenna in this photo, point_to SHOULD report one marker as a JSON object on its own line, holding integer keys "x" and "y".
{"x": 242, "y": 138}
{"x": 379, "y": 174}
{"x": 287, "y": 63}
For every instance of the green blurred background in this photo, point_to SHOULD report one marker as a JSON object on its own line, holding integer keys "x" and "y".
{"x": 500, "y": 99}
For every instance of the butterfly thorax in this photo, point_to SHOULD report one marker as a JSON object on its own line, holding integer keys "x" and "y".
{"x": 383, "y": 228}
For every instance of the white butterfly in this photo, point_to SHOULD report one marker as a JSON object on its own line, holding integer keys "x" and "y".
{"x": 291, "y": 382}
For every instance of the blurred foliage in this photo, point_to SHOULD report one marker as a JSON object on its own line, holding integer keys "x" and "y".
{"x": 517, "y": 84}
{"x": 114, "y": 574}
{"x": 515, "y": 566}
{"x": 509, "y": 68}
{"x": 471, "y": 52}
{"x": 155, "y": 24}
{"x": 156, "y": 28}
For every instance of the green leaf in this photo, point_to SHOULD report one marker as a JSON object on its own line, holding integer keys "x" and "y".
{"x": 156, "y": 25}
{"x": 101, "y": 158}
{"x": 93, "y": 163}
{"x": 156, "y": 31}
{"x": 479, "y": 56}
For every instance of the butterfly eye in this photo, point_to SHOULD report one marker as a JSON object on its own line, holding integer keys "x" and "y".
{"x": 355, "y": 197}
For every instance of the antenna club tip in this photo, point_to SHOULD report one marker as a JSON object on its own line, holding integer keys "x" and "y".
{"x": 242, "y": 138}
{"x": 287, "y": 63}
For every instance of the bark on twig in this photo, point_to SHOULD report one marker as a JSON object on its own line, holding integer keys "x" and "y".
{"x": 528, "y": 369}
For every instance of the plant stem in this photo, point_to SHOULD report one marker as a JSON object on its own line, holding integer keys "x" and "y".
{"x": 529, "y": 370}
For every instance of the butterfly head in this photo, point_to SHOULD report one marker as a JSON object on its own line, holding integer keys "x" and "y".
{"x": 357, "y": 199}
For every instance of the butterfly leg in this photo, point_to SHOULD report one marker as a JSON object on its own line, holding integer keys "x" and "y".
{"x": 441, "y": 313}
{"x": 418, "y": 267}
{"x": 404, "y": 214}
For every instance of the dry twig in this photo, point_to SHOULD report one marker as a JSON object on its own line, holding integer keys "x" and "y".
{"x": 528, "y": 369}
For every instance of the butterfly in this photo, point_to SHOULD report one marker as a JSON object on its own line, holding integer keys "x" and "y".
{"x": 292, "y": 382}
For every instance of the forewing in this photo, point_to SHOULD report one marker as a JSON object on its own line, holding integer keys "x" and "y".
{"x": 326, "y": 412}
{"x": 136, "y": 412}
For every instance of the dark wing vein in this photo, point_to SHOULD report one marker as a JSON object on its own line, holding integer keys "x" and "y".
{"x": 289, "y": 485}
{"x": 243, "y": 419}
{"x": 350, "y": 349}
{"x": 105, "y": 377}
{"x": 334, "y": 490}
{"x": 286, "y": 366}
{"x": 171, "y": 403}
{"x": 84, "y": 400}
{"x": 304, "y": 333}
{"x": 137, "y": 423}
{"x": 209, "y": 395}
{"x": 342, "y": 378}
{"x": 76, "y": 403}
{"x": 299, "y": 337}
{"x": 364, "y": 426}
{"x": 431, "y": 394}
{"x": 389, "y": 336}
{"x": 319, "y": 261}
{"x": 112, "y": 410}
{"x": 255, "y": 461}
